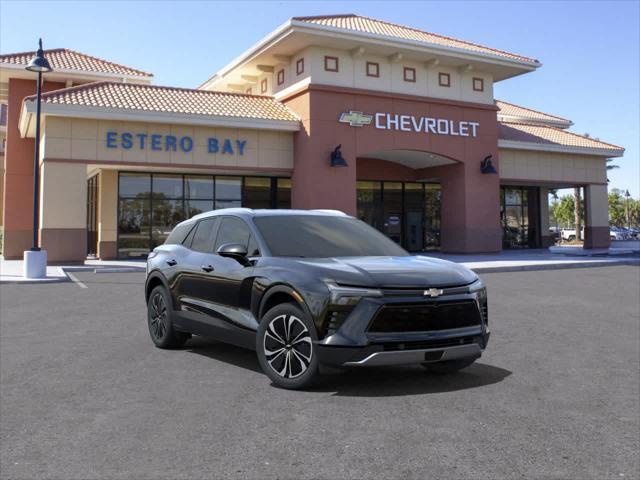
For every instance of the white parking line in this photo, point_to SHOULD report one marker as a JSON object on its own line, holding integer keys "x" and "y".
{"x": 75, "y": 280}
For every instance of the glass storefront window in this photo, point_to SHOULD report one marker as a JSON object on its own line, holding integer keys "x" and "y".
{"x": 519, "y": 217}
{"x": 228, "y": 192}
{"x": 198, "y": 187}
{"x": 283, "y": 193}
{"x": 369, "y": 202}
{"x": 257, "y": 192}
{"x": 167, "y": 186}
{"x": 150, "y": 205}
{"x": 392, "y": 210}
{"x": 135, "y": 185}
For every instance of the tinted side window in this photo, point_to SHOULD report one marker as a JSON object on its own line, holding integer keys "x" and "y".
{"x": 202, "y": 237}
{"x": 178, "y": 234}
{"x": 233, "y": 230}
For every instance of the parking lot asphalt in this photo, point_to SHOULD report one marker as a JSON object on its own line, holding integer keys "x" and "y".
{"x": 84, "y": 394}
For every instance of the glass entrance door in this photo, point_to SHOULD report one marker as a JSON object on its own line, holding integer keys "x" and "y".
{"x": 407, "y": 212}
{"x": 92, "y": 216}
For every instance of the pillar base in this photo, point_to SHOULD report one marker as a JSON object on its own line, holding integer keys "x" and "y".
{"x": 35, "y": 264}
{"x": 597, "y": 237}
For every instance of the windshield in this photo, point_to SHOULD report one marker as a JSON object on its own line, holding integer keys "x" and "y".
{"x": 320, "y": 236}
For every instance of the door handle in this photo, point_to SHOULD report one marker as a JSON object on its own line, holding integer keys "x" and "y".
{"x": 171, "y": 262}
{"x": 207, "y": 268}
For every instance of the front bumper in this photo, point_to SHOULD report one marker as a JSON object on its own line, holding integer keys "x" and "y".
{"x": 353, "y": 344}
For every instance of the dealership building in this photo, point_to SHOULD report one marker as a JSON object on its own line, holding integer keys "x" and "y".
{"x": 388, "y": 123}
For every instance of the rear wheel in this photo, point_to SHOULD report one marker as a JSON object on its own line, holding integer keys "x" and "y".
{"x": 285, "y": 347}
{"x": 448, "y": 367}
{"x": 160, "y": 322}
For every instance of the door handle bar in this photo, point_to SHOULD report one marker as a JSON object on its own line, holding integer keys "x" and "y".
{"x": 207, "y": 268}
{"x": 171, "y": 262}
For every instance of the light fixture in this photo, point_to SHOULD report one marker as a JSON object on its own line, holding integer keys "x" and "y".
{"x": 39, "y": 63}
{"x": 336, "y": 158}
{"x": 486, "y": 166}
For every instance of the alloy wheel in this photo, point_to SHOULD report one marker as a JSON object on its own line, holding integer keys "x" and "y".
{"x": 159, "y": 316}
{"x": 287, "y": 346}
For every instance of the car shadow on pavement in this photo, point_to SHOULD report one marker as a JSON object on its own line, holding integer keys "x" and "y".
{"x": 407, "y": 380}
{"x": 365, "y": 382}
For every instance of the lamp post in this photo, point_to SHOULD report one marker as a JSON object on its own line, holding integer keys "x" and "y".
{"x": 35, "y": 260}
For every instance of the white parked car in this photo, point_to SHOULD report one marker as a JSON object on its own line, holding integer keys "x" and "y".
{"x": 616, "y": 233}
{"x": 569, "y": 234}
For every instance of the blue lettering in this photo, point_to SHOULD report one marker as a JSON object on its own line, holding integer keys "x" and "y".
{"x": 142, "y": 137}
{"x": 241, "y": 144}
{"x": 156, "y": 142}
{"x": 170, "y": 143}
{"x": 186, "y": 144}
{"x": 126, "y": 140}
{"x": 213, "y": 145}
{"x": 226, "y": 148}
{"x": 111, "y": 139}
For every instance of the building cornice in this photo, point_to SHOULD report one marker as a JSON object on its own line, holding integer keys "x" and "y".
{"x": 545, "y": 147}
{"x": 129, "y": 115}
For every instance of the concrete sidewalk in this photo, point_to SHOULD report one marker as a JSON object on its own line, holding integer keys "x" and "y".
{"x": 532, "y": 259}
{"x": 505, "y": 261}
{"x": 11, "y": 270}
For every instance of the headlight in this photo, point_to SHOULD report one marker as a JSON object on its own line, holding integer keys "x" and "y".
{"x": 477, "y": 286}
{"x": 350, "y": 295}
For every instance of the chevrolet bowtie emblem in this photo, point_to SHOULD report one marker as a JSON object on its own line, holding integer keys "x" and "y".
{"x": 355, "y": 119}
{"x": 433, "y": 292}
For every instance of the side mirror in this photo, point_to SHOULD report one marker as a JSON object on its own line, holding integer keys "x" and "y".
{"x": 234, "y": 250}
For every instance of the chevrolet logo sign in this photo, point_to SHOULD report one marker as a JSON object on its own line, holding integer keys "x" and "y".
{"x": 355, "y": 119}
{"x": 432, "y": 292}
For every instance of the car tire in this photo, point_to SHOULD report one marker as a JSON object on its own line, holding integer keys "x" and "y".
{"x": 449, "y": 367}
{"x": 286, "y": 347}
{"x": 160, "y": 321}
{"x": 571, "y": 238}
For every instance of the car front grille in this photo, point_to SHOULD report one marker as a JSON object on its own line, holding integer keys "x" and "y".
{"x": 426, "y": 317}
{"x": 427, "y": 344}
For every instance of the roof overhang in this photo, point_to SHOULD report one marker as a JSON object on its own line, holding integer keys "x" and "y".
{"x": 12, "y": 70}
{"x": 545, "y": 147}
{"x": 532, "y": 121}
{"x": 28, "y": 112}
{"x": 295, "y": 35}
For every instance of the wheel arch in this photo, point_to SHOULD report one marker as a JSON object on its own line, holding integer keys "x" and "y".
{"x": 154, "y": 280}
{"x": 279, "y": 294}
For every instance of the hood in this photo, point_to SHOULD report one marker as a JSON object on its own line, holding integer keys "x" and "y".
{"x": 391, "y": 272}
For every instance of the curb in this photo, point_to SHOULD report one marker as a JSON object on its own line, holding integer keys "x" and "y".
{"x": 563, "y": 266}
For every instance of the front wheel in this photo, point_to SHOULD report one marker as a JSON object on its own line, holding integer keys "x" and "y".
{"x": 285, "y": 344}
{"x": 448, "y": 367}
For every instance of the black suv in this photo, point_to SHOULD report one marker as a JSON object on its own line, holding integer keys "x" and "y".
{"x": 311, "y": 288}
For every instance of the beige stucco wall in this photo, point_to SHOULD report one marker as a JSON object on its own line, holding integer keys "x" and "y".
{"x": 63, "y": 196}
{"x": 551, "y": 167}
{"x": 597, "y": 205}
{"x": 108, "y": 206}
{"x": 352, "y": 74}
{"x": 84, "y": 139}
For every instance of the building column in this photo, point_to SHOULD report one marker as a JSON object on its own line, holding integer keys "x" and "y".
{"x": 315, "y": 183}
{"x": 63, "y": 211}
{"x": 596, "y": 205}
{"x": 546, "y": 239}
{"x": 108, "y": 215}
{"x": 18, "y": 172}
{"x": 470, "y": 210}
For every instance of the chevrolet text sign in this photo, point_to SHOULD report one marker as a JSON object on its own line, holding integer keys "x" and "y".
{"x": 411, "y": 123}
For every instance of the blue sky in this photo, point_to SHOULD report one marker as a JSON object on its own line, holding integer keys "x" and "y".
{"x": 589, "y": 50}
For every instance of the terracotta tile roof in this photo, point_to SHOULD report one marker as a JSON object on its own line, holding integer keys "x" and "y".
{"x": 370, "y": 25}
{"x": 152, "y": 98}
{"x": 545, "y": 135}
{"x": 65, "y": 59}
{"x": 512, "y": 110}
